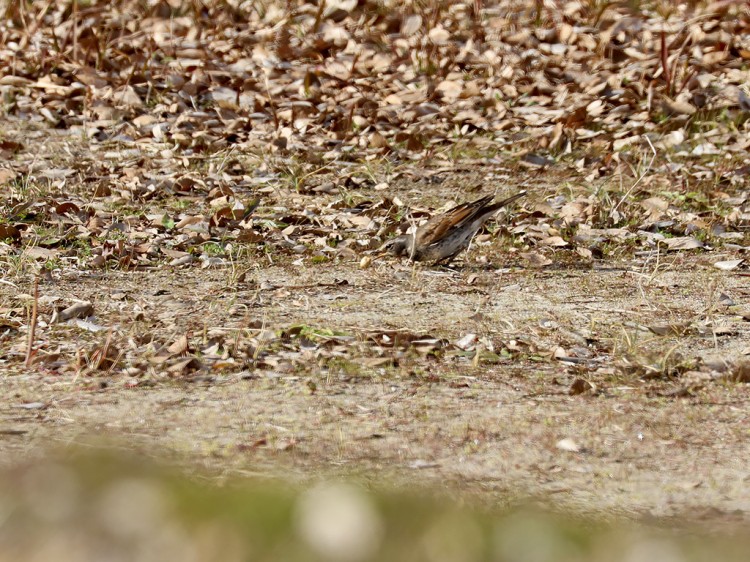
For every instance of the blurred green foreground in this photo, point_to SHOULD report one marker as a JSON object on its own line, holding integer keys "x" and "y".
{"x": 112, "y": 508}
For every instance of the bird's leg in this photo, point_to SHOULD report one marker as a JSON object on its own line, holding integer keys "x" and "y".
{"x": 471, "y": 240}
{"x": 446, "y": 261}
{"x": 453, "y": 270}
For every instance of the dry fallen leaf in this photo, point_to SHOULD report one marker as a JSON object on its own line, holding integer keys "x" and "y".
{"x": 82, "y": 309}
{"x": 179, "y": 346}
{"x": 466, "y": 342}
{"x": 580, "y": 386}
{"x": 9, "y": 232}
{"x": 569, "y": 445}
{"x": 728, "y": 265}
{"x": 683, "y": 243}
{"x": 536, "y": 259}
{"x": 554, "y": 241}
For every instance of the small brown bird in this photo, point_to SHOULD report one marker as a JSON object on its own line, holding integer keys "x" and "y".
{"x": 444, "y": 236}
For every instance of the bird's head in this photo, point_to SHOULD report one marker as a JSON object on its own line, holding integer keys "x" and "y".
{"x": 399, "y": 246}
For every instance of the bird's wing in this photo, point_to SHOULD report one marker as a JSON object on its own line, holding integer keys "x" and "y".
{"x": 487, "y": 209}
{"x": 438, "y": 226}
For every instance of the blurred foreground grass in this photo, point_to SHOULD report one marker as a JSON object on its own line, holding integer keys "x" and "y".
{"x": 121, "y": 508}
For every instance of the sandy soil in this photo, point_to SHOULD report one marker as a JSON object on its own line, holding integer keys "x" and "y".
{"x": 491, "y": 429}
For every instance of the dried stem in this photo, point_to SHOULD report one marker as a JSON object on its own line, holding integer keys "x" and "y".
{"x": 32, "y": 323}
{"x": 665, "y": 62}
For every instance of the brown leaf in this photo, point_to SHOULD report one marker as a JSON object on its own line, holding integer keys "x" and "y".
{"x": 536, "y": 259}
{"x": 680, "y": 329}
{"x": 672, "y": 107}
{"x": 9, "y": 232}
{"x": 683, "y": 243}
{"x": 554, "y": 241}
{"x": 580, "y": 386}
{"x": 179, "y": 346}
{"x": 78, "y": 310}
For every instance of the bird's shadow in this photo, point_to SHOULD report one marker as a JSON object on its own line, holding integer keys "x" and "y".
{"x": 557, "y": 267}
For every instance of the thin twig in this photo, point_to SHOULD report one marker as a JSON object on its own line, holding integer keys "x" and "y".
{"x": 32, "y": 323}
{"x": 272, "y": 106}
{"x": 414, "y": 227}
{"x": 665, "y": 63}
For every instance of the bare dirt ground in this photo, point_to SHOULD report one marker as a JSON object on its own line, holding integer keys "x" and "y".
{"x": 491, "y": 428}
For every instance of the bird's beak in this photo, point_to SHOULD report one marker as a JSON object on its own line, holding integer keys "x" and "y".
{"x": 380, "y": 251}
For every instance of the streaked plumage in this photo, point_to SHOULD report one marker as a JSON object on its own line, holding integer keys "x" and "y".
{"x": 446, "y": 235}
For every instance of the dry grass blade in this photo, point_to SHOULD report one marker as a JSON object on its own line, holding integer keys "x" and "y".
{"x": 32, "y": 324}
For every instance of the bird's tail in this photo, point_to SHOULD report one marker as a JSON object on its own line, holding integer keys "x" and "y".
{"x": 509, "y": 200}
